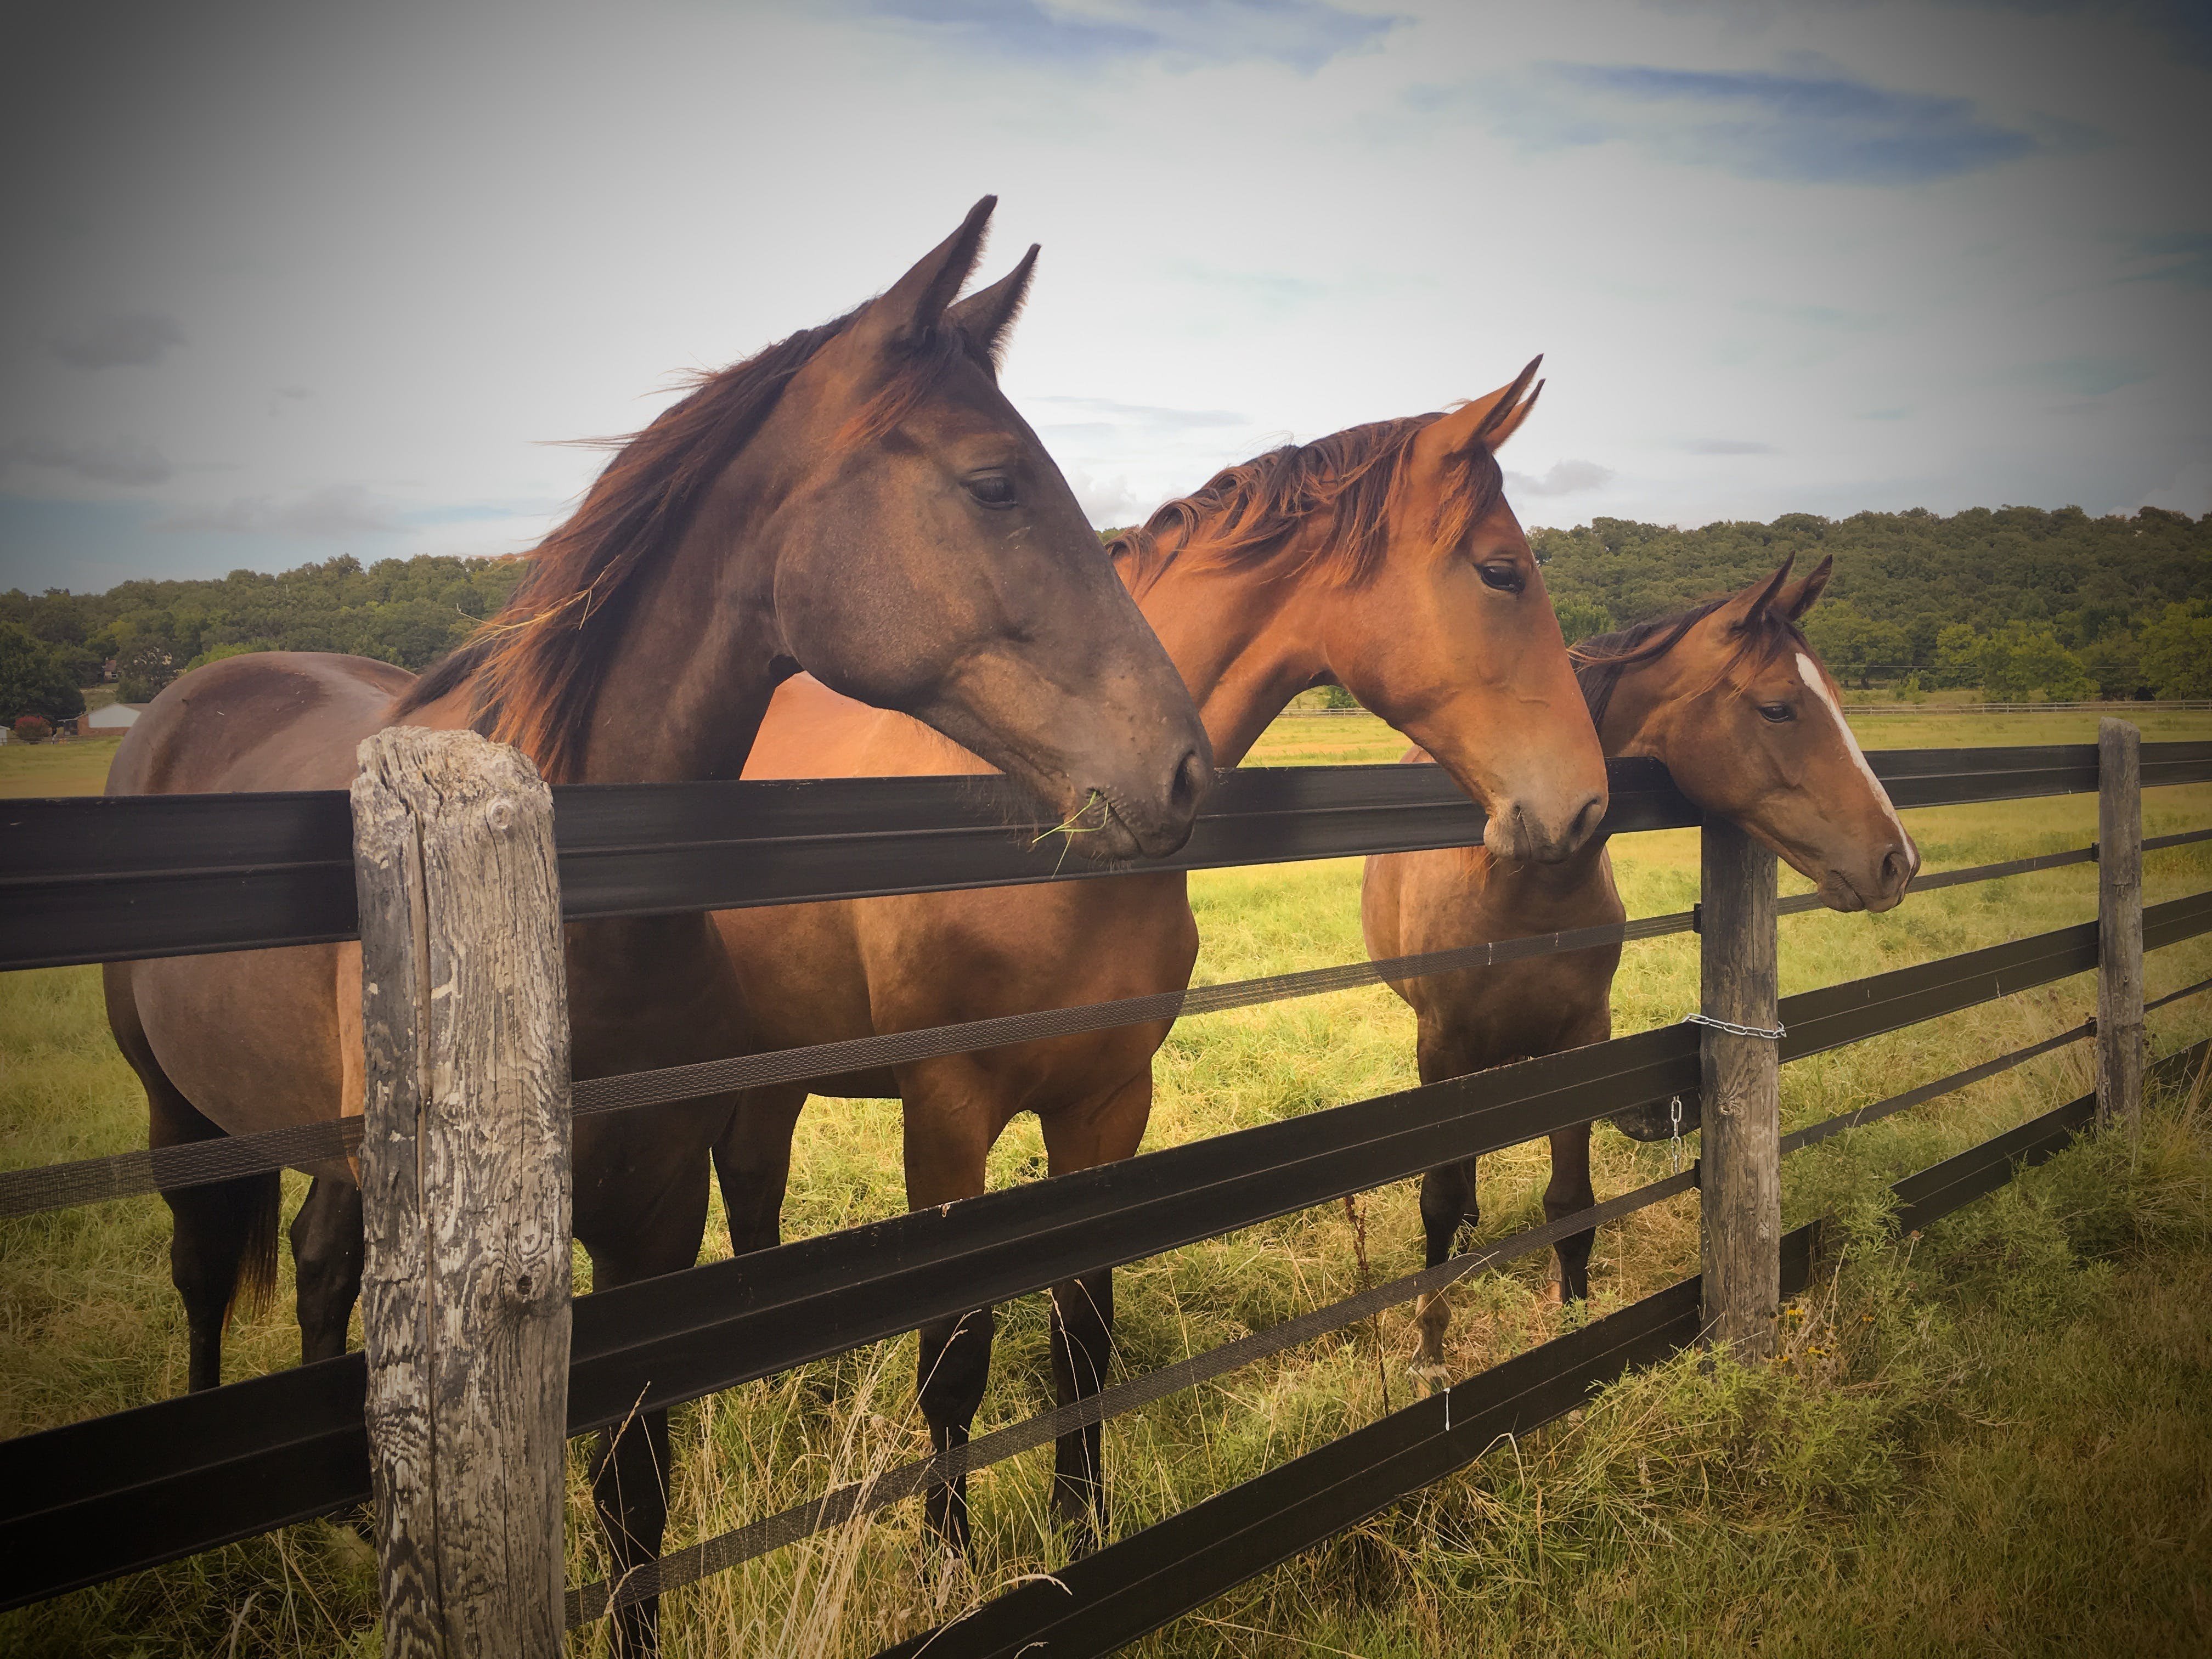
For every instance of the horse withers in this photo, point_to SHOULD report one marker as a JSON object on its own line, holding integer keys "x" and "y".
{"x": 1733, "y": 700}
{"x": 1383, "y": 558}
{"x": 859, "y": 502}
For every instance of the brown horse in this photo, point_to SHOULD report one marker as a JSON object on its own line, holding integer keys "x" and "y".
{"x": 860, "y": 501}
{"x": 1383, "y": 559}
{"x": 1731, "y": 698}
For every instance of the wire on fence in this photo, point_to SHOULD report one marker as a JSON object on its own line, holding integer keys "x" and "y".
{"x": 86, "y": 1503}
{"x": 130, "y": 1175}
{"x": 2176, "y": 996}
{"x": 1879, "y": 1109}
{"x": 847, "y": 1502}
{"x": 850, "y": 1502}
{"x": 2158, "y": 843}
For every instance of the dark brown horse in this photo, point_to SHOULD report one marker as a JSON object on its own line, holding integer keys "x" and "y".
{"x": 1732, "y": 698}
{"x": 861, "y": 501}
{"x": 1384, "y": 559}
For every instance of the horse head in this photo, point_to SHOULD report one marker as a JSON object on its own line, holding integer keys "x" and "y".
{"x": 1737, "y": 703}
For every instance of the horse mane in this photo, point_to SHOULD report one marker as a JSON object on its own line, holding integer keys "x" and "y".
{"x": 1601, "y": 659}
{"x": 536, "y": 666}
{"x": 1248, "y": 515}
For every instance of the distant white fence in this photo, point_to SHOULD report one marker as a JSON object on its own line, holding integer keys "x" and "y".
{"x": 2116, "y": 707}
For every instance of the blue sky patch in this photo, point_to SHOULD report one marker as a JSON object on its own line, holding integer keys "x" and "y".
{"x": 1794, "y": 128}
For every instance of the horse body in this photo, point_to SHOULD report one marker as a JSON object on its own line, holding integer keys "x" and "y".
{"x": 1381, "y": 559}
{"x": 860, "y": 500}
{"x": 1733, "y": 699}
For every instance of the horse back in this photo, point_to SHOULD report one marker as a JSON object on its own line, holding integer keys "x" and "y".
{"x": 271, "y": 719}
{"x": 252, "y": 1040}
{"x": 855, "y": 968}
{"x": 1450, "y": 898}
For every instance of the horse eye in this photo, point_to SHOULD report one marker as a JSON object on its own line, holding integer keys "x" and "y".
{"x": 991, "y": 489}
{"x": 1506, "y": 578}
{"x": 1776, "y": 712}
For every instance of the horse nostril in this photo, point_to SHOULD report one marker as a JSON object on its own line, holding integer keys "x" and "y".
{"x": 1896, "y": 870}
{"x": 1586, "y": 821}
{"x": 1189, "y": 782}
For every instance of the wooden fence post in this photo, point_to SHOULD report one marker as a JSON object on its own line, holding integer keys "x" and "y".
{"x": 2120, "y": 927}
{"x": 1740, "y": 1163}
{"x": 466, "y": 1179}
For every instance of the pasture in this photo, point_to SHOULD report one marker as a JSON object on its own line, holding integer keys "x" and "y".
{"x": 1997, "y": 1437}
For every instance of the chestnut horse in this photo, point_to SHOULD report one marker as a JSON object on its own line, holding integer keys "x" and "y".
{"x": 1383, "y": 559}
{"x": 860, "y": 501}
{"x": 1731, "y": 698}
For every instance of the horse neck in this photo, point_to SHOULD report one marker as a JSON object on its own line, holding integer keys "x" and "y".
{"x": 698, "y": 655}
{"x": 1645, "y": 717}
{"x": 1243, "y": 639}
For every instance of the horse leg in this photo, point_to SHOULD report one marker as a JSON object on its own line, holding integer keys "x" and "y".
{"x": 630, "y": 1464}
{"x": 950, "y": 1123}
{"x": 223, "y": 1236}
{"x": 1082, "y": 1307}
{"x": 950, "y": 1373}
{"x": 752, "y": 1161}
{"x": 1448, "y": 1203}
{"x": 326, "y": 1263}
{"x": 1568, "y": 1191}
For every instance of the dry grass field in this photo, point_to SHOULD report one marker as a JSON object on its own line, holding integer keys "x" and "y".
{"x": 1995, "y": 1438}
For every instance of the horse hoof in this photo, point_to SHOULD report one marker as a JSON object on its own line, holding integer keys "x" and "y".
{"x": 1431, "y": 1372}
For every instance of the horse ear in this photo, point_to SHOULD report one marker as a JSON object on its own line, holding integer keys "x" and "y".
{"x": 1756, "y": 601}
{"x": 908, "y": 309}
{"x": 986, "y": 315}
{"x": 1799, "y": 599}
{"x": 1484, "y": 423}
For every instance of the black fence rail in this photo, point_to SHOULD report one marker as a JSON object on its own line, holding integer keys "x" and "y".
{"x": 85, "y": 1503}
{"x": 115, "y": 879}
{"x": 102, "y": 879}
{"x": 1106, "y": 1600}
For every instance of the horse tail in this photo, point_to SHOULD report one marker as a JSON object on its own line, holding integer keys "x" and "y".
{"x": 261, "y": 1197}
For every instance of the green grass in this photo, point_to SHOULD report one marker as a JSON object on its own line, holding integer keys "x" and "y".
{"x": 2001, "y": 1445}
{"x": 78, "y": 767}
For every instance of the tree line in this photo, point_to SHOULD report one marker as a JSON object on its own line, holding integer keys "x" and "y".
{"x": 2013, "y": 600}
{"x": 409, "y": 611}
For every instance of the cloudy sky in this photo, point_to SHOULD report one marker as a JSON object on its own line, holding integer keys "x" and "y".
{"x": 294, "y": 280}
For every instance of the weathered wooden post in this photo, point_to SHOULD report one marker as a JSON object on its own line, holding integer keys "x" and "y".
{"x": 1740, "y": 1160}
{"x": 465, "y": 1179}
{"x": 2120, "y": 927}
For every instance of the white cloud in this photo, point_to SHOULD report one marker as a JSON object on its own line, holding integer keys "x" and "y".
{"x": 1251, "y": 229}
{"x": 120, "y": 339}
{"x": 126, "y": 461}
{"x": 1563, "y": 478}
{"x": 334, "y": 512}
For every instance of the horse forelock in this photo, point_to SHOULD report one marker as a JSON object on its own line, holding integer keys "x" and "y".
{"x": 535, "y": 667}
{"x": 1247, "y": 516}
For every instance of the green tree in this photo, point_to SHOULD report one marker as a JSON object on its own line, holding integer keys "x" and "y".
{"x": 2177, "y": 653}
{"x": 2114, "y": 662}
{"x": 1958, "y": 655}
{"x": 2019, "y": 657}
{"x": 1582, "y": 619}
{"x": 144, "y": 667}
{"x": 35, "y": 677}
{"x": 1854, "y": 645}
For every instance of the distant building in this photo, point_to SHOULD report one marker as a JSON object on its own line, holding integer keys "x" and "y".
{"x": 110, "y": 721}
